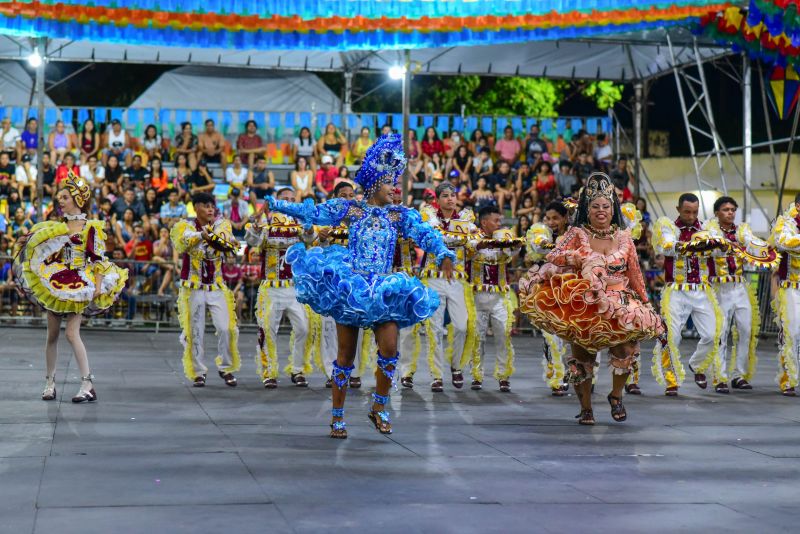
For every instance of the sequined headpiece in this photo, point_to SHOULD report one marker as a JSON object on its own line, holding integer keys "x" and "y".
{"x": 599, "y": 185}
{"x": 384, "y": 162}
{"x": 78, "y": 189}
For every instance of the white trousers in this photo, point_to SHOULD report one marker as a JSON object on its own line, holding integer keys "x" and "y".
{"x": 699, "y": 305}
{"x": 734, "y": 301}
{"x": 273, "y": 303}
{"x": 192, "y": 306}
{"x": 788, "y": 308}
{"x": 451, "y": 298}
{"x": 491, "y": 308}
{"x": 555, "y": 349}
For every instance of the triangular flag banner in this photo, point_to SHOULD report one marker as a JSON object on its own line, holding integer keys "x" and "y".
{"x": 784, "y": 85}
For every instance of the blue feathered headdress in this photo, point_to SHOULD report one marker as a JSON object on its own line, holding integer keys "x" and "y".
{"x": 384, "y": 159}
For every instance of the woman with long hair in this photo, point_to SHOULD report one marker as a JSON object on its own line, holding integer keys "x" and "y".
{"x": 332, "y": 143}
{"x": 591, "y": 293}
{"x": 302, "y": 179}
{"x": 356, "y": 286}
{"x": 89, "y": 143}
{"x": 113, "y": 183}
{"x": 151, "y": 142}
{"x": 61, "y": 266}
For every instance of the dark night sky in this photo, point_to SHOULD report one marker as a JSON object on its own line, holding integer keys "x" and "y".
{"x": 117, "y": 84}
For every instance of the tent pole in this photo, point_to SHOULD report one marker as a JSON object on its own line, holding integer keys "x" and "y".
{"x": 347, "y": 104}
{"x": 40, "y": 43}
{"x": 638, "y": 90}
{"x": 747, "y": 153}
{"x": 406, "y": 92}
{"x": 788, "y": 159}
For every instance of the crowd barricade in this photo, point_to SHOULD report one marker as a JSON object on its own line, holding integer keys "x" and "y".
{"x": 143, "y": 305}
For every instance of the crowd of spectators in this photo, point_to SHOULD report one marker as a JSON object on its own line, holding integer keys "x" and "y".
{"x": 142, "y": 186}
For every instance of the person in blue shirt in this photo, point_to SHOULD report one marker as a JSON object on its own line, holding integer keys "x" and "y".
{"x": 355, "y": 285}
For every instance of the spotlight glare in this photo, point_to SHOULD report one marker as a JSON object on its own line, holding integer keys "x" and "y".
{"x": 35, "y": 59}
{"x": 397, "y": 72}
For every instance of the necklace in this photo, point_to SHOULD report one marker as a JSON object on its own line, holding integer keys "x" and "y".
{"x": 76, "y": 217}
{"x": 608, "y": 233}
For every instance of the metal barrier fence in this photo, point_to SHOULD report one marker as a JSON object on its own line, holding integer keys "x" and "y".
{"x": 148, "y": 302}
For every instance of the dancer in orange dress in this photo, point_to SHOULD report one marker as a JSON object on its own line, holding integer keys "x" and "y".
{"x": 592, "y": 294}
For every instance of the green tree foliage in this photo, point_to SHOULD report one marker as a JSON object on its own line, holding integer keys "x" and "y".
{"x": 532, "y": 97}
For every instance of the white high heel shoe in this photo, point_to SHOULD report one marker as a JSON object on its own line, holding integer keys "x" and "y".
{"x": 49, "y": 392}
{"x": 86, "y": 393}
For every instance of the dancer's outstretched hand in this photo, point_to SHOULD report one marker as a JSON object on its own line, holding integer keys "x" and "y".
{"x": 447, "y": 269}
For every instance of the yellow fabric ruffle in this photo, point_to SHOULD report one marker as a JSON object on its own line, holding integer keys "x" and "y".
{"x": 787, "y": 369}
{"x": 233, "y": 346}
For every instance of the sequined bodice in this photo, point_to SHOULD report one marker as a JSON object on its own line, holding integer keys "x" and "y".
{"x": 373, "y": 237}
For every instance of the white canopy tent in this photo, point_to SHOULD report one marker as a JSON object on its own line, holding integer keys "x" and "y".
{"x": 16, "y": 87}
{"x": 208, "y": 88}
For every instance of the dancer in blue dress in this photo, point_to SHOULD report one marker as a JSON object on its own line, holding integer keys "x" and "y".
{"x": 355, "y": 285}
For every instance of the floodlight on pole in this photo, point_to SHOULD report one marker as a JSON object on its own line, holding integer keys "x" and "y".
{"x": 397, "y": 72}
{"x": 35, "y": 58}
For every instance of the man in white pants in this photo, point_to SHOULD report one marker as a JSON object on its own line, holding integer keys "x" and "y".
{"x": 201, "y": 245}
{"x": 276, "y": 297}
{"x": 494, "y": 302}
{"x": 460, "y": 235}
{"x": 686, "y": 293}
{"x": 785, "y": 236}
{"x": 736, "y": 299}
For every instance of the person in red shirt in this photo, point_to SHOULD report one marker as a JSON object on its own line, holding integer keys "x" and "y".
{"x": 326, "y": 178}
{"x": 250, "y": 144}
{"x": 63, "y": 170}
{"x": 140, "y": 249}
{"x": 431, "y": 144}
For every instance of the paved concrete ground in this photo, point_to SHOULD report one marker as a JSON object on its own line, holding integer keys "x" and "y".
{"x": 155, "y": 455}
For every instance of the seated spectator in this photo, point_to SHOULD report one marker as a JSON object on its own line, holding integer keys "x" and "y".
{"x": 25, "y": 177}
{"x": 524, "y": 180}
{"x": 140, "y": 250}
{"x": 104, "y": 212}
{"x": 211, "y": 145}
{"x": 186, "y": 143}
{"x": 623, "y": 195}
{"x": 152, "y": 208}
{"x": 232, "y": 275}
{"x": 530, "y": 209}
{"x": 128, "y": 201}
{"x": 325, "y": 179}
{"x": 386, "y": 129}
{"x": 434, "y": 165}
{"x": 237, "y": 211}
{"x": 136, "y": 175}
{"x": 48, "y": 175}
{"x": 462, "y": 188}
{"x": 483, "y": 165}
{"x": 431, "y": 144}
{"x": 13, "y": 201}
{"x": 159, "y": 179}
{"x": 59, "y": 142}
{"x": 7, "y": 175}
{"x": 173, "y": 210}
{"x": 462, "y": 162}
{"x": 199, "y": 181}
{"x": 236, "y": 174}
{"x": 88, "y": 142}
{"x": 163, "y": 258}
{"x": 482, "y": 196}
{"x": 641, "y": 205}
{"x": 9, "y": 138}
{"x": 249, "y": 144}
{"x": 29, "y": 140}
{"x": 566, "y": 182}
{"x": 451, "y": 144}
{"x": 332, "y": 143}
{"x": 621, "y": 176}
{"x": 523, "y": 223}
{"x": 474, "y": 140}
{"x": 251, "y": 279}
{"x": 413, "y": 154}
{"x": 535, "y": 147}
{"x": 123, "y": 226}
{"x": 151, "y": 143}
{"x": 507, "y": 148}
{"x": 428, "y": 199}
{"x": 603, "y": 154}
{"x": 127, "y": 295}
{"x": 68, "y": 164}
{"x": 302, "y": 179}
{"x": 19, "y": 225}
{"x": 118, "y": 144}
{"x": 502, "y": 185}
{"x": 113, "y": 177}
{"x": 261, "y": 181}
{"x": 94, "y": 174}
{"x": 304, "y": 147}
{"x": 361, "y": 145}
{"x": 546, "y": 187}
{"x": 583, "y": 168}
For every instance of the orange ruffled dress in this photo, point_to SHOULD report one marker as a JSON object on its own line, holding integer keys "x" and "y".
{"x": 594, "y": 300}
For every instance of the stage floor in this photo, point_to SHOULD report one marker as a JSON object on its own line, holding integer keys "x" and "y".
{"x": 155, "y": 455}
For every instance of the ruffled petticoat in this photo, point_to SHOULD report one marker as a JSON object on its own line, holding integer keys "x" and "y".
{"x": 324, "y": 280}
{"x": 566, "y": 305}
{"x": 47, "y": 281}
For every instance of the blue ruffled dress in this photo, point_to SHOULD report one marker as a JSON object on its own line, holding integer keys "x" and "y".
{"x": 355, "y": 285}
